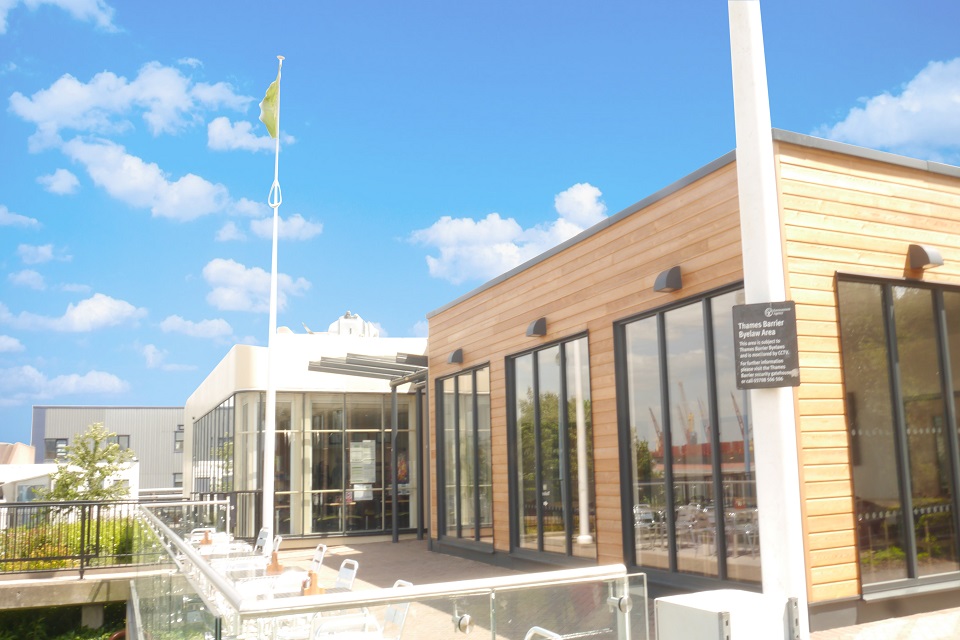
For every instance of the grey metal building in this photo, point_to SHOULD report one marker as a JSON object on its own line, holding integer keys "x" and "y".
{"x": 155, "y": 434}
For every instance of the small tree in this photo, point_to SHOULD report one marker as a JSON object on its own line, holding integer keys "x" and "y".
{"x": 83, "y": 473}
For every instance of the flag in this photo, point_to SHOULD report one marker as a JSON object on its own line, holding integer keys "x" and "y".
{"x": 268, "y": 107}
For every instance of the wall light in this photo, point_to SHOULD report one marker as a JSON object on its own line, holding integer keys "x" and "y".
{"x": 537, "y": 328}
{"x": 923, "y": 257}
{"x": 455, "y": 357}
{"x": 669, "y": 280}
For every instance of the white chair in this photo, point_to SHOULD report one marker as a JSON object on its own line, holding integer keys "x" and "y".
{"x": 260, "y": 545}
{"x": 317, "y": 559}
{"x": 364, "y": 626}
{"x": 346, "y": 575}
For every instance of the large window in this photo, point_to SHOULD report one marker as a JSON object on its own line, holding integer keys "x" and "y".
{"x": 466, "y": 467}
{"x": 901, "y": 369}
{"x": 691, "y": 499}
{"x": 54, "y": 449}
{"x": 551, "y": 437}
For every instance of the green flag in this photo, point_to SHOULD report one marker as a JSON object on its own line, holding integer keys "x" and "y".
{"x": 268, "y": 107}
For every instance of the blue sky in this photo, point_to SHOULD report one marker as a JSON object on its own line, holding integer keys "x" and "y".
{"x": 425, "y": 148}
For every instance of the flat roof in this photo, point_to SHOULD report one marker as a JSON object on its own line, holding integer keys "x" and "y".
{"x": 778, "y": 135}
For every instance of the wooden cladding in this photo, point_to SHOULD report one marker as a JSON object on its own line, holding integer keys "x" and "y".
{"x": 607, "y": 276}
{"x": 852, "y": 215}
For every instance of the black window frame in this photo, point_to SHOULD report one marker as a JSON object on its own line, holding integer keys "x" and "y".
{"x": 901, "y": 450}
{"x": 442, "y": 527}
{"x": 672, "y": 576}
{"x": 60, "y": 444}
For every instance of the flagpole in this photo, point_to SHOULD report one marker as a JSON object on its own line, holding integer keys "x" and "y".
{"x": 270, "y": 408}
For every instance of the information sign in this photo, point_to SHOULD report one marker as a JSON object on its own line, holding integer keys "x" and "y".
{"x": 765, "y": 345}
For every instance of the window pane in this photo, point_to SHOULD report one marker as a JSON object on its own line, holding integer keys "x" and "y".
{"x": 450, "y": 453}
{"x": 466, "y": 453}
{"x": 872, "y": 439}
{"x": 526, "y": 452}
{"x": 923, "y": 409}
{"x": 580, "y": 456}
{"x": 690, "y": 432}
{"x": 739, "y": 500}
{"x": 365, "y": 412}
{"x": 646, "y": 418}
{"x": 551, "y": 479}
{"x": 485, "y": 451}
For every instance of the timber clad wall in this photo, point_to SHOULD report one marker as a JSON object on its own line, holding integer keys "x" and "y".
{"x": 607, "y": 276}
{"x": 852, "y": 215}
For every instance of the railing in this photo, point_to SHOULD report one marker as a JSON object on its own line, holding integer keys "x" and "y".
{"x": 595, "y": 602}
{"x": 47, "y": 536}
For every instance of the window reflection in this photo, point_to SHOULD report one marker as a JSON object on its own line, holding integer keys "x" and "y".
{"x": 677, "y": 526}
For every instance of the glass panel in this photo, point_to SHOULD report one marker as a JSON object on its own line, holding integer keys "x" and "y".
{"x": 468, "y": 469}
{"x": 580, "y": 456}
{"x": 526, "y": 453}
{"x": 365, "y": 412}
{"x": 364, "y": 497}
{"x": 551, "y": 451}
{"x": 403, "y": 487}
{"x": 646, "y": 418}
{"x": 450, "y": 454}
{"x": 739, "y": 500}
{"x": 923, "y": 409}
{"x": 485, "y": 450}
{"x": 691, "y": 441}
{"x": 872, "y": 440}
{"x": 326, "y": 449}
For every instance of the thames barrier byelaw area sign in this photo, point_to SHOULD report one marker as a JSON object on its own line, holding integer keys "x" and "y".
{"x": 765, "y": 345}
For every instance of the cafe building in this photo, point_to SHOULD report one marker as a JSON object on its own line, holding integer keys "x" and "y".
{"x": 593, "y": 405}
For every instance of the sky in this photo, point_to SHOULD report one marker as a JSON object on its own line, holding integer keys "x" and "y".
{"x": 425, "y": 148}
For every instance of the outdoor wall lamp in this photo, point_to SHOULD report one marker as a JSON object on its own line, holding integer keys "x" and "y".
{"x": 669, "y": 280}
{"x": 923, "y": 257}
{"x": 537, "y": 328}
{"x": 455, "y": 357}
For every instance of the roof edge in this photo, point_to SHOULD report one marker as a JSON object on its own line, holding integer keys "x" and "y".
{"x": 683, "y": 182}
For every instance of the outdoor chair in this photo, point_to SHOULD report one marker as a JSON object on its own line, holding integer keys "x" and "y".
{"x": 317, "y": 559}
{"x": 196, "y": 535}
{"x": 346, "y": 575}
{"x": 365, "y": 626}
{"x": 261, "y": 543}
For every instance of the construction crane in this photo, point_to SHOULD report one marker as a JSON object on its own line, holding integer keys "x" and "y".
{"x": 656, "y": 426}
{"x": 686, "y": 417}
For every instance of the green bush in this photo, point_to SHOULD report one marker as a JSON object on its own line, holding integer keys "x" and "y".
{"x": 59, "y": 623}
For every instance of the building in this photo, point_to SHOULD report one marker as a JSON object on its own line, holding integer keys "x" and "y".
{"x": 155, "y": 434}
{"x": 586, "y": 406}
{"x": 333, "y": 455}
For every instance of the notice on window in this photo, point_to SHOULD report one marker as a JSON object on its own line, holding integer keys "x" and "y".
{"x": 765, "y": 345}
{"x": 363, "y": 462}
{"x": 362, "y": 492}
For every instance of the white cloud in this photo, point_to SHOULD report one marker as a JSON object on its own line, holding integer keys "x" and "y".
{"x": 25, "y": 384}
{"x": 190, "y": 62}
{"x": 480, "y": 250}
{"x": 96, "y": 312}
{"x": 10, "y": 219}
{"x": 250, "y": 208}
{"x": 60, "y": 182}
{"x": 75, "y": 288}
{"x": 421, "y": 329}
{"x": 922, "y": 121}
{"x": 167, "y": 100}
{"x": 237, "y": 288}
{"x": 156, "y": 359}
{"x": 96, "y": 11}
{"x": 38, "y": 254}
{"x": 28, "y": 278}
{"x": 9, "y": 344}
{"x": 218, "y": 328}
{"x": 223, "y": 135}
{"x": 293, "y": 228}
{"x": 229, "y": 232}
{"x": 141, "y": 184}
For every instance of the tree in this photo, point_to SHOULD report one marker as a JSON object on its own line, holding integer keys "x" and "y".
{"x": 87, "y": 466}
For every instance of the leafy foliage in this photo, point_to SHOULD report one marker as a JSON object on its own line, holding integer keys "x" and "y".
{"x": 58, "y": 623}
{"x": 87, "y": 468}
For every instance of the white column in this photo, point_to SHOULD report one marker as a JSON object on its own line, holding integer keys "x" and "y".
{"x": 771, "y": 410}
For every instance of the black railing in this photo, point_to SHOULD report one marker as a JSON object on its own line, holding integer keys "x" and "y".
{"x": 56, "y": 536}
